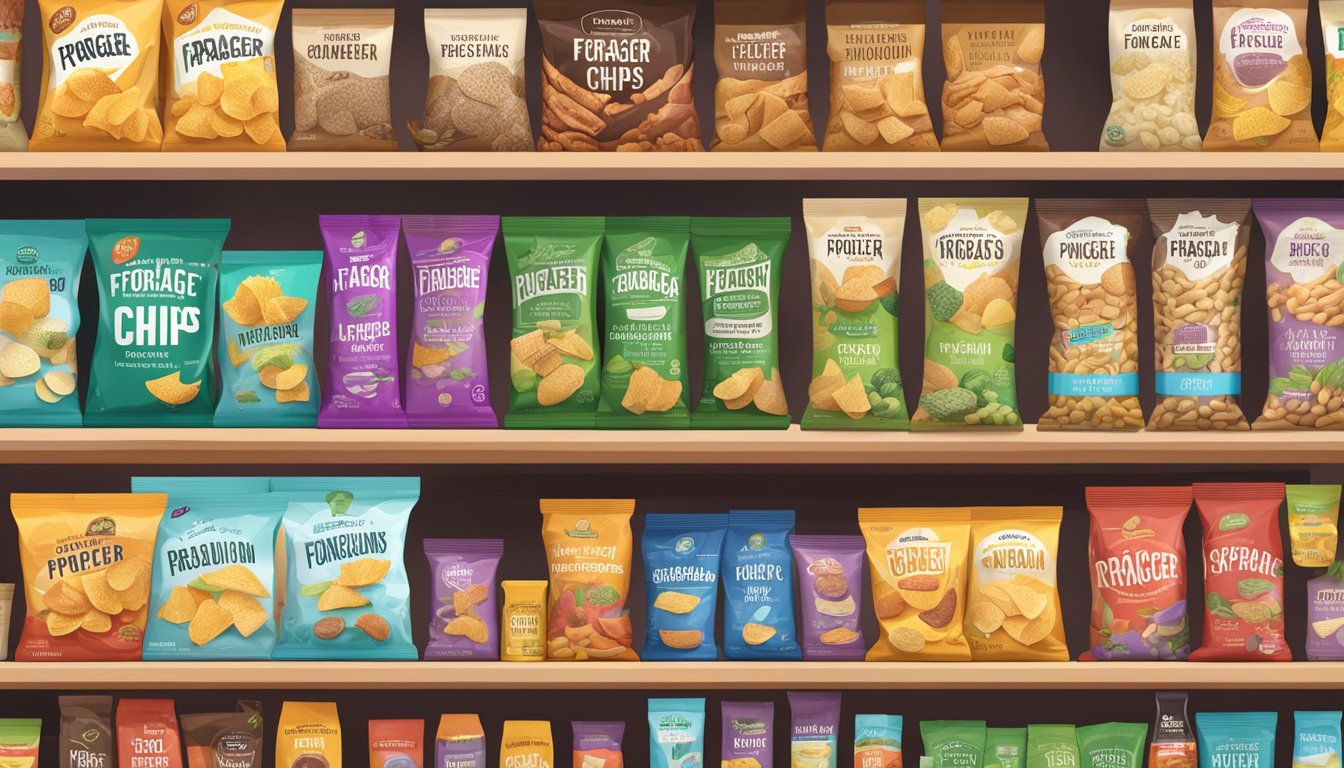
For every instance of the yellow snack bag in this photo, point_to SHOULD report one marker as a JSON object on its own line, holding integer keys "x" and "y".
{"x": 918, "y": 561}
{"x": 100, "y": 78}
{"x": 527, "y": 743}
{"x": 309, "y": 734}
{"x": 219, "y": 81}
{"x": 1012, "y": 608}
{"x": 1313, "y": 524}
{"x": 589, "y": 547}
{"x": 1332, "y": 24}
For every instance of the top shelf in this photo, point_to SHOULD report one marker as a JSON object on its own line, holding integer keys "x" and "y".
{"x": 717, "y": 166}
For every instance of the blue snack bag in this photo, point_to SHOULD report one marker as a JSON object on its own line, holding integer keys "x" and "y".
{"x": 758, "y": 586}
{"x": 676, "y": 733}
{"x": 1236, "y": 738}
{"x": 346, "y": 592}
{"x": 681, "y": 572}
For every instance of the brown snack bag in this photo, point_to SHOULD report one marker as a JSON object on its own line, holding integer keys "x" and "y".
{"x": 86, "y": 732}
{"x": 1261, "y": 77}
{"x": 617, "y": 79}
{"x": 342, "y": 59}
{"x": 224, "y": 739}
{"x": 760, "y": 100}
{"x": 994, "y": 96}
{"x": 877, "y": 83}
{"x": 13, "y": 137}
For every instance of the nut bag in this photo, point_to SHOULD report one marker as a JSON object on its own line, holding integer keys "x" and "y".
{"x": 342, "y": 65}
{"x": 1153, "y": 68}
{"x": 86, "y": 570}
{"x": 588, "y": 552}
{"x": 1304, "y": 275}
{"x": 152, "y": 361}
{"x": 1199, "y": 271}
{"x": 1012, "y": 609}
{"x": 265, "y": 347}
{"x": 1094, "y": 350}
{"x": 994, "y": 95}
{"x": 617, "y": 79}
{"x": 760, "y": 99}
{"x": 463, "y": 607}
{"x": 1261, "y": 77}
{"x": 147, "y": 733}
{"x": 40, "y": 262}
{"x": 346, "y": 592}
{"x": 758, "y": 619}
{"x": 222, "y": 93}
{"x": 309, "y": 734}
{"x": 876, "y": 48}
{"x": 972, "y": 247}
{"x": 224, "y": 739}
{"x": 1243, "y": 572}
{"x": 918, "y": 561}
{"x": 681, "y": 570}
{"x": 830, "y": 581}
{"x": 1332, "y": 22}
{"x": 100, "y": 78}
{"x": 855, "y": 248}
{"x": 13, "y": 136}
{"x": 476, "y": 93}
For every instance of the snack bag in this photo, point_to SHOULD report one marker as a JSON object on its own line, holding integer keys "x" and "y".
{"x": 748, "y": 729}
{"x": 1304, "y": 259}
{"x": 1199, "y": 268}
{"x": 86, "y": 732}
{"x": 342, "y": 67}
{"x": 830, "y": 580}
{"x": 681, "y": 571}
{"x": 1332, "y": 21}
{"x": 222, "y": 94}
{"x": 152, "y": 361}
{"x": 87, "y": 560}
{"x": 1313, "y": 524}
{"x": 1153, "y": 69}
{"x": 447, "y": 384}
{"x": 361, "y": 283}
{"x": 396, "y": 743}
{"x": 268, "y": 300}
{"x": 1261, "y": 77}
{"x": 814, "y": 740}
{"x": 971, "y": 252}
{"x": 740, "y": 263}
{"x": 877, "y": 741}
{"x": 876, "y": 48}
{"x": 1137, "y": 556}
{"x": 994, "y": 96}
{"x": 758, "y": 620}
{"x": 631, "y": 96}
{"x": 463, "y": 610}
{"x": 760, "y": 98}
{"x": 644, "y": 369}
{"x": 1094, "y": 350}
{"x": 1243, "y": 572}
{"x": 676, "y": 733}
{"x": 1112, "y": 745}
{"x": 598, "y": 744}
{"x": 13, "y": 136}
{"x": 952, "y": 743}
{"x": 19, "y": 738}
{"x": 1052, "y": 745}
{"x": 309, "y": 734}
{"x": 588, "y": 551}
{"x": 40, "y": 262}
{"x": 1236, "y": 738}
{"x": 224, "y": 739}
{"x": 523, "y": 624}
{"x": 476, "y": 70}
{"x": 100, "y": 78}
{"x": 346, "y": 592}
{"x": 527, "y": 742}
{"x": 1007, "y": 748}
{"x": 147, "y": 733}
{"x": 918, "y": 561}
{"x": 855, "y": 248}
{"x": 459, "y": 741}
{"x": 1173, "y": 743}
{"x": 1317, "y": 737}
{"x": 553, "y": 268}
{"x": 1013, "y": 611}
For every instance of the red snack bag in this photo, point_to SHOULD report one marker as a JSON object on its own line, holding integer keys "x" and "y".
{"x": 1243, "y": 572}
{"x": 147, "y": 734}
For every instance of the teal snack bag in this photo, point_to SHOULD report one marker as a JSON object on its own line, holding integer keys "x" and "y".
{"x": 676, "y": 733}
{"x": 267, "y": 303}
{"x": 1006, "y": 748}
{"x": 1051, "y": 746}
{"x": 553, "y": 374}
{"x": 644, "y": 348}
{"x": 1112, "y": 745}
{"x": 877, "y": 741}
{"x": 740, "y": 263}
{"x": 953, "y": 743}
{"x": 157, "y": 283}
{"x": 1317, "y": 738}
{"x": 1235, "y": 738}
{"x": 346, "y": 592}
{"x": 758, "y": 620}
{"x": 40, "y": 262}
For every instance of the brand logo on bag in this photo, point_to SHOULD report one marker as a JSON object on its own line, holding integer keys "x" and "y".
{"x": 188, "y": 16}
{"x": 61, "y": 19}
{"x": 26, "y": 255}
{"x": 612, "y": 22}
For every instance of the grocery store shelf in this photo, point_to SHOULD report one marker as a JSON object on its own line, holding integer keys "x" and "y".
{"x": 716, "y": 166}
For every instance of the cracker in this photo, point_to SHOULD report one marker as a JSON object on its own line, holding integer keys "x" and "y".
{"x": 785, "y": 131}
{"x": 757, "y": 634}
{"x": 995, "y": 97}
{"x": 889, "y": 605}
{"x": 558, "y": 385}
{"x": 898, "y": 90}
{"x": 683, "y": 639}
{"x": 676, "y": 602}
{"x": 954, "y": 60}
{"x": 862, "y": 98}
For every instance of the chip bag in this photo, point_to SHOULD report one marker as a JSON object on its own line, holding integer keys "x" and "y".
{"x": 681, "y": 569}
{"x": 1007, "y": 748}
{"x": 1236, "y": 738}
{"x": 760, "y": 99}
{"x": 40, "y": 262}
{"x": 1013, "y": 611}
{"x": 953, "y": 743}
{"x": 1261, "y": 77}
{"x": 346, "y": 592}
{"x": 152, "y": 361}
{"x": 100, "y": 78}
{"x": 588, "y": 551}
{"x": 19, "y": 739}
{"x": 1052, "y": 745}
{"x": 917, "y": 557}
{"x": 758, "y": 618}
{"x": 224, "y": 739}
{"x": 830, "y": 582}
{"x": 1313, "y": 524}
{"x": 13, "y": 136}
{"x": 527, "y": 743}
{"x": 86, "y": 735}
{"x": 1173, "y": 744}
{"x": 309, "y": 735}
{"x": 396, "y": 743}
{"x": 459, "y": 741}
{"x": 342, "y": 79}
{"x": 1325, "y": 614}
{"x": 147, "y": 733}
{"x": 1153, "y": 69}
{"x": 814, "y": 734}
{"x": 87, "y": 560}
{"x": 676, "y": 733}
{"x": 748, "y": 734}
{"x": 1316, "y": 739}
{"x": 597, "y": 744}
{"x": 994, "y": 95}
{"x": 1332, "y": 22}
{"x": 463, "y": 607}
{"x": 268, "y": 300}
{"x": 222, "y": 93}
{"x": 1112, "y": 745}
{"x": 877, "y": 741}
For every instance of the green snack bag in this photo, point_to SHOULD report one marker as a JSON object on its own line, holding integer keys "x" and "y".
{"x": 972, "y": 247}
{"x": 1052, "y": 746}
{"x": 553, "y": 373}
{"x": 740, "y": 263}
{"x": 1006, "y": 748}
{"x": 954, "y": 743}
{"x": 268, "y": 299}
{"x": 644, "y": 352}
{"x": 1112, "y": 745}
{"x": 152, "y": 362}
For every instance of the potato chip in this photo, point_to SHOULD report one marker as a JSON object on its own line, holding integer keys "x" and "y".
{"x": 986, "y": 617}
{"x": 756, "y": 634}
{"x": 559, "y": 384}
{"x": 1288, "y": 98}
{"x": 270, "y": 375}
{"x": 337, "y": 596}
{"x": 1257, "y": 122}
{"x": 236, "y": 355}
{"x": 98, "y": 117}
{"x": 67, "y": 104}
{"x": 667, "y": 397}
{"x": 1013, "y": 586}
{"x": 181, "y": 605}
{"x": 14, "y": 318}
{"x": 91, "y": 84}
{"x": 466, "y": 599}
{"x": 1002, "y": 131}
{"x": 32, "y": 293}
{"x": 681, "y": 639}
{"x": 171, "y": 390}
{"x": 852, "y": 399}
{"x": 1327, "y": 627}
{"x": 210, "y": 621}
{"x": 236, "y": 98}
{"x": 363, "y": 572}
{"x": 44, "y": 392}
{"x": 1031, "y": 631}
{"x": 676, "y": 602}
{"x": 1028, "y": 602}
{"x": 18, "y": 361}
{"x": 907, "y": 639}
{"x": 247, "y": 613}
{"x": 237, "y": 578}
{"x": 59, "y": 624}
{"x": 297, "y": 394}
{"x": 96, "y": 622}
{"x": 66, "y": 598}
{"x": 422, "y": 355}
{"x": 740, "y": 383}
{"x": 1032, "y": 47}
{"x": 573, "y": 345}
{"x": 529, "y": 346}
{"x": 291, "y": 377}
{"x": 469, "y": 627}
{"x": 263, "y": 289}
{"x": 100, "y": 593}
{"x": 645, "y": 384}
{"x": 226, "y": 127}
{"x": 262, "y": 128}
{"x": 208, "y": 88}
{"x": 61, "y": 383}
{"x": 134, "y": 597}
{"x": 844, "y": 607}
{"x": 127, "y": 573}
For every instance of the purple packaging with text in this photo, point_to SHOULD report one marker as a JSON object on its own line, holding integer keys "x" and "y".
{"x": 598, "y": 743}
{"x": 463, "y": 609}
{"x": 1325, "y": 615}
{"x": 749, "y": 732}
{"x": 830, "y": 586}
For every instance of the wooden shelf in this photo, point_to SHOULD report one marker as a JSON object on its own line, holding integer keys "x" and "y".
{"x": 717, "y": 166}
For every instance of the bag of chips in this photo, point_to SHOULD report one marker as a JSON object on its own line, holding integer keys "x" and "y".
{"x": 463, "y": 608}
{"x": 681, "y": 570}
{"x": 830, "y": 581}
{"x": 309, "y": 734}
{"x": 1325, "y": 614}
{"x": 994, "y": 95}
{"x": 1012, "y": 609}
{"x": 1153, "y": 69}
{"x": 676, "y": 732}
{"x": 760, "y": 99}
{"x": 748, "y": 734}
{"x": 1173, "y": 744}
{"x": 342, "y": 70}
{"x": 1052, "y": 745}
{"x": 814, "y": 738}
{"x": 396, "y": 743}
{"x": 877, "y": 741}
{"x": 86, "y": 732}
{"x": 1007, "y": 748}
{"x": 1261, "y": 77}
{"x": 1313, "y": 524}
{"x": 589, "y": 549}
{"x": 527, "y": 742}
{"x": 598, "y": 744}
{"x": 758, "y": 619}
{"x": 1112, "y": 745}
{"x": 1316, "y": 738}
{"x": 1332, "y": 21}
{"x": 13, "y": 136}
{"x": 224, "y": 739}
{"x": 19, "y": 739}
{"x": 147, "y": 733}
{"x": 1236, "y": 738}
{"x": 459, "y": 741}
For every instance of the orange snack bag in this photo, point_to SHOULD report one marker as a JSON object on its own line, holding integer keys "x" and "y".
{"x": 588, "y": 552}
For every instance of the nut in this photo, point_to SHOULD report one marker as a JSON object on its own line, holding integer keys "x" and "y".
{"x": 374, "y": 626}
{"x": 329, "y": 628}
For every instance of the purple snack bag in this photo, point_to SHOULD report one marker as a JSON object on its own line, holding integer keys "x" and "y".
{"x": 1325, "y": 615}
{"x": 597, "y": 744}
{"x": 361, "y": 280}
{"x": 463, "y": 611}
{"x": 814, "y": 736}
{"x": 446, "y": 382}
{"x": 749, "y": 732}
{"x": 830, "y": 585}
